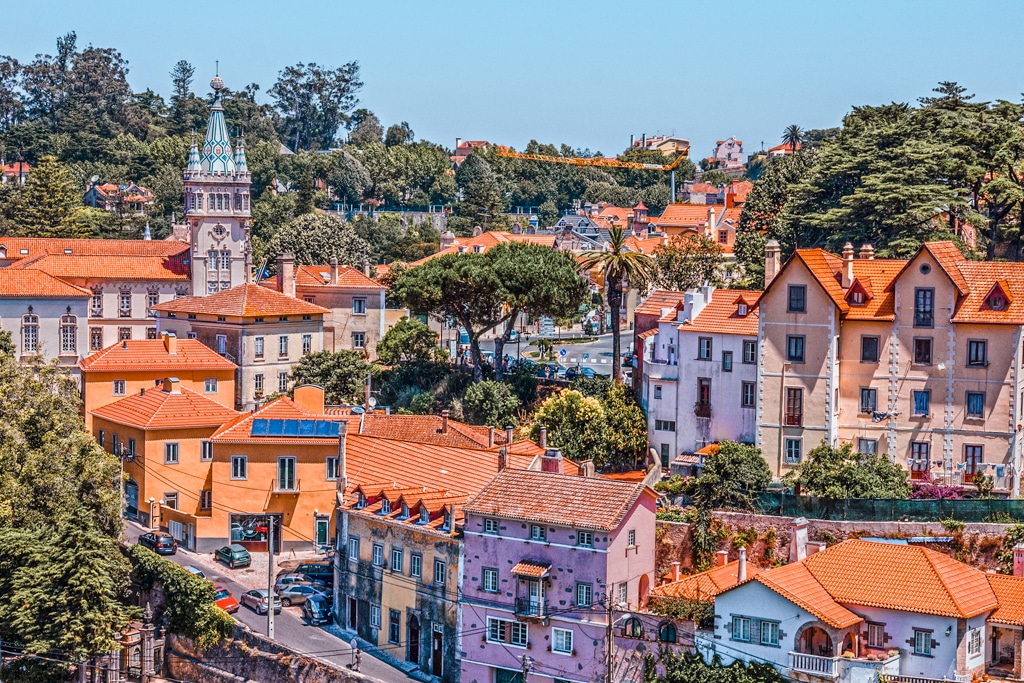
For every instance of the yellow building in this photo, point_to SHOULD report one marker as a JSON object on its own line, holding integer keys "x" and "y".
{"x": 136, "y": 364}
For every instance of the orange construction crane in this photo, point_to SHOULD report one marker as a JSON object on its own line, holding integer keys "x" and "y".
{"x": 600, "y": 162}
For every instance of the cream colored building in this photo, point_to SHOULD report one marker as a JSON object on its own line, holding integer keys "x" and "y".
{"x": 919, "y": 359}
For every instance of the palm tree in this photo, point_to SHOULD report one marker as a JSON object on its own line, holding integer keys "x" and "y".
{"x": 792, "y": 136}
{"x": 619, "y": 264}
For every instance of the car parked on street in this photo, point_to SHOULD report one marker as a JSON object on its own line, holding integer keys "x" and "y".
{"x": 161, "y": 544}
{"x": 318, "y": 571}
{"x": 297, "y": 593}
{"x": 225, "y": 600}
{"x": 195, "y": 571}
{"x": 288, "y": 579}
{"x": 257, "y": 600}
{"x": 233, "y": 556}
{"x": 317, "y": 611}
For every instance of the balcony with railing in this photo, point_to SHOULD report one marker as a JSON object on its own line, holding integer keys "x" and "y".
{"x": 531, "y": 608}
{"x": 701, "y": 409}
{"x": 286, "y": 486}
{"x": 815, "y": 665}
{"x": 794, "y": 418}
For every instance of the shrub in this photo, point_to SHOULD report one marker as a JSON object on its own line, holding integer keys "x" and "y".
{"x": 927, "y": 490}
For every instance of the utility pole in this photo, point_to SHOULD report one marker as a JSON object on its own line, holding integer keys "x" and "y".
{"x": 270, "y": 577}
{"x": 527, "y": 662}
{"x": 611, "y": 635}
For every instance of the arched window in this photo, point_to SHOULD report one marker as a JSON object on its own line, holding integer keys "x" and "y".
{"x": 632, "y": 628}
{"x": 667, "y": 632}
{"x": 30, "y": 333}
{"x": 68, "y": 334}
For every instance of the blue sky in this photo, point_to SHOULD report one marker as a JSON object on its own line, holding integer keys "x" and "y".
{"x": 587, "y": 73}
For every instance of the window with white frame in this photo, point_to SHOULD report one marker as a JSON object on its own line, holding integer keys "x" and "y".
{"x": 333, "y": 467}
{"x": 741, "y": 629}
{"x": 124, "y": 303}
{"x": 876, "y": 635}
{"x": 561, "y": 640}
{"x": 282, "y": 382}
{"x": 206, "y": 450}
{"x": 152, "y": 298}
{"x": 307, "y": 343}
{"x": 538, "y": 533}
{"x": 923, "y": 642}
{"x": 770, "y": 633}
{"x": 282, "y": 346}
{"x": 68, "y": 334}
{"x": 257, "y": 347}
{"x": 657, "y": 391}
{"x": 704, "y": 348}
{"x": 95, "y": 338}
{"x": 623, "y": 593}
{"x": 440, "y": 570}
{"x": 120, "y": 386}
{"x": 206, "y": 499}
{"x": 974, "y": 642}
{"x": 416, "y": 565}
{"x": 867, "y": 446}
{"x": 508, "y": 632}
{"x": 748, "y": 395}
{"x": 397, "y": 557}
{"x": 374, "y": 616}
{"x": 491, "y": 526}
{"x": 171, "y": 453}
{"x": 239, "y": 466}
{"x": 584, "y": 595}
{"x": 585, "y": 539}
{"x": 210, "y": 385}
{"x": 378, "y": 555}
{"x": 489, "y": 580}
{"x": 30, "y": 333}
{"x": 150, "y": 333}
{"x": 359, "y": 306}
{"x": 749, "y": 352}
{"x": 631, "y": 538}
{"x": 358, "y": 340}
{"x": 794, "y": 449}
{"x": 353, "y": 549}
{"x": 257, "y": 383}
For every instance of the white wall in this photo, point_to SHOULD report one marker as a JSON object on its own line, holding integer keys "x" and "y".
{"x": 49, "y": 312}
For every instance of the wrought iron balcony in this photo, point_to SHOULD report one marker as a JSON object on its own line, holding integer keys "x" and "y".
{"x": 531, "y": 608}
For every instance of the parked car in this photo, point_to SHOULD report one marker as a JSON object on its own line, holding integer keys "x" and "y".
{"x": 195, "y": 571}
{"x": 233, "y": 556}
{"x": 297, "y": 593}
{"x": 161, "y": 544}
{"x": 257, "y": 600}
{"x": 317, "y": 611}
{"x": 579, "y": 371}
{"x": 318, "y": 571}
{"x": 225, "y": 600}
{"x": 294, "y": 577}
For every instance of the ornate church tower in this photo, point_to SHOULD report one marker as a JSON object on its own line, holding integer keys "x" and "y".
{"x": 217, "y": 184}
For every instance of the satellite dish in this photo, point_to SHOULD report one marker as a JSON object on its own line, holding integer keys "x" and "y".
{"x": 94, "y": 179}
{"x": 373, "y": 402}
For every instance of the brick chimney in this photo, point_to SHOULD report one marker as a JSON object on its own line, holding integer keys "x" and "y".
{"x": 309, "y": 397}
{"x": 867, "y": 251}
{"x": 444, "y": 421}
{"x": 172, "y": 385}
{"x": 586, "y": 469}
{"x": 509, "y": 433}
{"x": 741, "y": 567}
{"x": 334, "y": 270}
{"x": 723, "y": 557}
{"x": 552, "y": 461}
{"x": 543, "y": 438}
{"x": 170, "y": 343}
{"x": 1018, "y": 559}
{"x": 798, "y": 539}
{"x": 490, "y": 437}
{"x": 286, "y": 274}
{"x": 502, "y": 458}
{"x": 675, "y": 570}
{"x": 772, "y": 261}
{"x": 847, "y": 265}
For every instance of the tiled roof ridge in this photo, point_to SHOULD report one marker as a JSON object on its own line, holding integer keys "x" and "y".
{"x": 149, "y": 405}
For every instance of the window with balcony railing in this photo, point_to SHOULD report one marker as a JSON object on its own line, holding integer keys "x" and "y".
{"x": 794, "y": 407}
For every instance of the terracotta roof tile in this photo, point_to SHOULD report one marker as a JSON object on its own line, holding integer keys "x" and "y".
{"x": 644, "y": 245}
{"x": 1009, "y": 591}
{"x": 874, "y": 276}
{"x": 695, "y": 215}
{"x": 545, "y": 497}
{"x": 981, "y": 276}
{"x": 34, "y": 246}
{"x": 427, "y": 429}
{"x": 705, "y": 585}
{"x": 110, "y": 267}
{"x": 659, "y": 299}
{"x": 536, "y": 570}
{"x": 722, "y": 316}
{"x": 617, "y": 214}
{"x": 795, "y": 583}
{"x": 151, "y": 354}
{"x": 320, "y": 276}
{"x": 33, "y": 284}
{"x": 246, "y": 301}
{"x": 487, "y": 240}
{"x": 160, "y": 409}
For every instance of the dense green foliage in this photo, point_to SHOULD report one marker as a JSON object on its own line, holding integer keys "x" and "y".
{"x": 314, "y": 238}
{"x": 843, "y": 473}
{"x": 689, "y": 667}
{"x": 408, "y": 341}
{"x": 341, "y": 374}
{"x": 490, "y": 403}
{"x": 689, "y": 260}
{"x": 62, "y": 575}
{"x": 190, "y": 608}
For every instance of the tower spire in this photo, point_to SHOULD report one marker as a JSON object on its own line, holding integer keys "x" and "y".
{"x": 216, "y": 157}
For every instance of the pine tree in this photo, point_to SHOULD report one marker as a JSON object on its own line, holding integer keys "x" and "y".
{"x": 51, "y": 204}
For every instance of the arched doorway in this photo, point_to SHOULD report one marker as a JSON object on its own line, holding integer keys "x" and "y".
{"x": 645, "y": 588}
{"x": 814, "y": 640}
{"x": 414, "y": 640}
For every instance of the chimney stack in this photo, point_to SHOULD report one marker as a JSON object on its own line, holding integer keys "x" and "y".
{"x": 847, "y": 265}
{"x": 772, "y": 261}
{"x": 867, "y": 251}
{"x": 366, "y": 268}
{"x": 509, "y": 434}
{"x": 334, "y": 270}
{"x": 502, "y": 458}
{"x": 490, "y": 437}
{"x": 741, "y": 568}
{"x": 342, "y": 473}
{"x": 711, "y": 221}
{"x": 286, "y": 274}
{"x": 170, "y": 343}
{"x": 172, "y": 385}
{"x": 444, "y": 421}
{"x": 798, "y": 539}
{"x": 1018, "y": 559}
{"x": 675, "y": 570}
{"x": 723, "y": 557}
{"x": 552, "y": 461}
{"x": 543, "y": 443}
{"x": 586, "y": 469}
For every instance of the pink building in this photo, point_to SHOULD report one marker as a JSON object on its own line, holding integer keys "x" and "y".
{"x": 549, "y": 557}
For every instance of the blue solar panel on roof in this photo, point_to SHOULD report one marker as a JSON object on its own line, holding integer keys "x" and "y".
{"x": 275, "y": 428}
{"x": 306, "y": 427}
{"x": 295, "y": 428}
{"x": 260, "y": 427}
{"x": 291, "y": 428}
{"x": 326, "y": 428}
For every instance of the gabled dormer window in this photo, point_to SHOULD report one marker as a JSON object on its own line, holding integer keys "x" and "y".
{"x": 424, "y": 515}
{"x": 361, "y": 503}
{"x": 997, "y": 299}
{"x": 385, "y": 507}
{"x": 741, "y": 310}
{"x": 405, "y": 511}
{"x": 447, "y": 524}
{"x": 856, "y": 295}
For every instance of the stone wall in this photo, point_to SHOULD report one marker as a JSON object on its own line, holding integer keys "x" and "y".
{"x": 248, "y": 657}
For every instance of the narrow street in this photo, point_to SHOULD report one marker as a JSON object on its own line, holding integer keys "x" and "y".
{"x": 290, "y": 629}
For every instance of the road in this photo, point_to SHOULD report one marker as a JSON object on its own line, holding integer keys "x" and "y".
{"x": 596, "y": 354}
{"x": 290, "y": 629}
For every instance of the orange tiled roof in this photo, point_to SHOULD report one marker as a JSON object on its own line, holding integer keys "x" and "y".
{"x": 160, "y": 409}
{"x": 320, "y": 276}
{"x": 427, "y": 429}
{"x": 108, "y": 267}
{"x": 536, "y": 570}
{"x": 706, "y": 585}
{"x": 644, "y": 245}
{"x": 795, "y": 583}
{"x": 34, "y": 246}
{"x": 706, "y": 188}
{"x": 551, "y": 498}
{"x": 981, "y": 276}
{"x": 487, "y": 240}
{"x": 1009, "y": 591}
{"x": 659, "y": 299}
{"x": 151, "y": 354}
{"x": 619, "y": 214}
{"x": 721, "y": 315}
{"x": 247, "y": 300}
{"x": 16, "y": 283}
{"x": 695, "y": 215}
{"x": 874, "y": 276}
